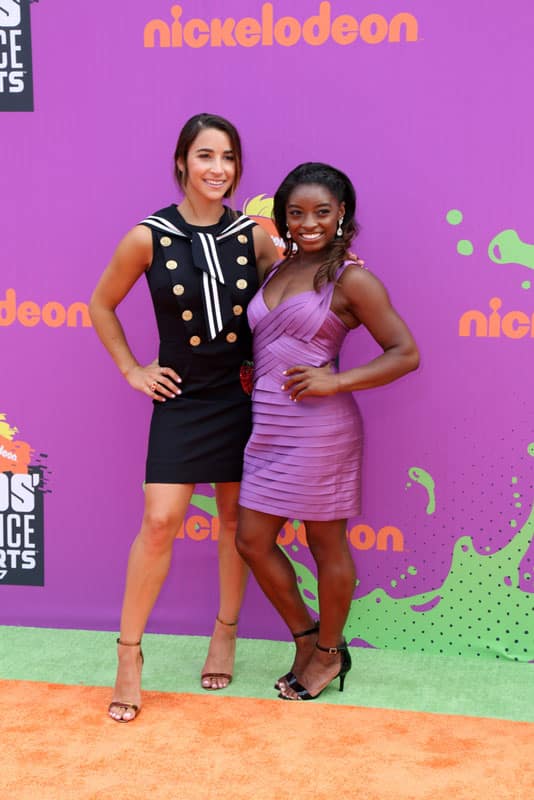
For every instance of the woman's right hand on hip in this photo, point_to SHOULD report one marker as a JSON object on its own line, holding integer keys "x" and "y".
{"x": 157, "y": 382}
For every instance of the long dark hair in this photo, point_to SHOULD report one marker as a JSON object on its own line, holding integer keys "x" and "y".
{"x": 340, "y": 186}
{"x": 189, "y": 133}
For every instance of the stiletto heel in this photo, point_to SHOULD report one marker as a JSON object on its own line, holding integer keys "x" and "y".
{"x": 210, "y": 675}
{"x": 122, "y": 704}
{"x": 345, "y": 666}
{"x": 290, "y": 677}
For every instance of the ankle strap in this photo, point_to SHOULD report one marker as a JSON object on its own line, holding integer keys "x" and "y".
{"x": 128, "y": 644}
{"x": 332, "y": 650}
{"x": 229, "y": 624}
{"x": 306, "y": 633}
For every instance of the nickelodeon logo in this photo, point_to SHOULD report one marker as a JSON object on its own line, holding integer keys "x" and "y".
{"x": 362, "y": 537}
{"x": 52, "y": 314}
{"x": 286, "y": 31}
{"x": 512, "y": 325}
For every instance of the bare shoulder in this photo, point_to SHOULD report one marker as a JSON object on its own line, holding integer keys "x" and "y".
{"x": 134, "y": 249}
{"x": 133, "y": 255}
{"x": 140, "y": 236}
{"x": 266, "y": 253}
{"x": 357, "y": 281}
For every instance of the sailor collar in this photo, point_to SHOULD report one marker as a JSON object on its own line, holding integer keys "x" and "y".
{"x": 206, "y": 258}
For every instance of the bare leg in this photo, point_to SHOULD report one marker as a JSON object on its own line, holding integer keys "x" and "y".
{"x": 233, "y": 573}
{"x": 335, "y": 578}
{"x": 148, "y": 565}
{"x": 256, "y": 541}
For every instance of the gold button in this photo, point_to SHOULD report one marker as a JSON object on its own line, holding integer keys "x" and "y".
{"x": 178, "y": 289}
{"x": 165, "y": 241}
{"x": 231, "y": 337}
{"x": 171, "y": 264}
{"x": 242, "y": 239}
{"x": 237, "y": 310}
{"x": 241, "y": 283}
{"x": 242, "y": 260}
{"x": 195, "y": 341}
{"x": 187, "y": 315}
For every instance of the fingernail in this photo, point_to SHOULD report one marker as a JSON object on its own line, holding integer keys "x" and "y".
{"x": 178, "y": 391}
{"x": 284, "y": 372}
{"x": 283, "y": 387}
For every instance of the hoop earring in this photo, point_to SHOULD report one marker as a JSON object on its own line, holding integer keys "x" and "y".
{"x": 288, "y": 235}
{"x": 339, "y": 232}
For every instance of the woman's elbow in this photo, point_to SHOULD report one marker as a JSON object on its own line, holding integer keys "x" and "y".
{"x": 413, "y": 359}
{"x": 93, "y": 307}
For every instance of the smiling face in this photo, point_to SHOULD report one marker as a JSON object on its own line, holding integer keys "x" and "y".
{"x": 209, "y": 169}
{"x": 312, "y": 216}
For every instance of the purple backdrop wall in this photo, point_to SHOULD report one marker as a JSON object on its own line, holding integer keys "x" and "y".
{"x": 433, "y": 130}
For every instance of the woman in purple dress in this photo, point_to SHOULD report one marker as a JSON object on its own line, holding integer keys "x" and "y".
{"x": 304, "y": 455}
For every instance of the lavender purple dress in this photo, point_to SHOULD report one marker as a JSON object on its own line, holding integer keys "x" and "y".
{"x": 303, "y": 459}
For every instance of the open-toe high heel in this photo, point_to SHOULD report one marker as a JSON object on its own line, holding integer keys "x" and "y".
{"x": 289, "y": 678}
{"x": 211, "y": 675}
{"x": 346, "y": 663}
{"x": 123, "y": 705}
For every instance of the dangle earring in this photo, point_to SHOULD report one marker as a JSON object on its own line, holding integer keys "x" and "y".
{"x": 291, "y": 245}
{"x": 339, "y": 232}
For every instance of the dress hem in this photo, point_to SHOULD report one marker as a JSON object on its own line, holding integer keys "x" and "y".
{"x": 301, "y": 516}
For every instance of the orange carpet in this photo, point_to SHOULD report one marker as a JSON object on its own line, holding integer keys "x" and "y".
{"x": 57, "y": 744}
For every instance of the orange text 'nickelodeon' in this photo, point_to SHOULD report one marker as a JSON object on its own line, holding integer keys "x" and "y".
{"x": 512, "y": 325}
{"x": 270, "y": 29}
{"x": 53, "y": 314}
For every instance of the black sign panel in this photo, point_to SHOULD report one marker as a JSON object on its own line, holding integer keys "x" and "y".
{"x": 16, "y": 75}
{"x": 22, "y": 528}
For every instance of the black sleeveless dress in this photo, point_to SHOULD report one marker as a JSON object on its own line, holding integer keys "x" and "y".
{"x": 201, "y": 280}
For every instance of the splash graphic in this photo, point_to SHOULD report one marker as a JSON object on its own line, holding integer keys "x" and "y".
{"x": 506, "y": 247}
{"x": 205, "y": 503}
{"x": 421, "y": 476}
{"x": 14, "y": 455}
{"x": 464, "y": 246}
{"x": 479, "y": 610}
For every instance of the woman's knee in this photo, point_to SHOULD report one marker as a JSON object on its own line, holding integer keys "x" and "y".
{"x": 256, "y": 534}
{"x": 245, "y": 544}
{"x": 159, "y": 528}
{"x": 228, "y": 524}
{"x": 249, "y": 542}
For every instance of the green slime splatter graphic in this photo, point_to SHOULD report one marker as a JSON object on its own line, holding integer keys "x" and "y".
{"x": 464, "y": 246}
{"x": 206, "y": 504}
{"x": 479, "y": 610}
{"x": 421, "y": 476}
{"x": 507, "y": 248}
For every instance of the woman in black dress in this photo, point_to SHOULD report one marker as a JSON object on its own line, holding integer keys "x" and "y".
{"x": 203, "y": 263}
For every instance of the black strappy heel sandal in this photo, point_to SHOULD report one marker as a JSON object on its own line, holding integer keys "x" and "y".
{"x": 290, "y": 677}
{"x": 345, "y": 666}
{"x": 121, "y": 704}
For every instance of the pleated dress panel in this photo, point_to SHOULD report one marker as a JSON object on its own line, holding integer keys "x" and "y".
{"x": 303, "y": 460}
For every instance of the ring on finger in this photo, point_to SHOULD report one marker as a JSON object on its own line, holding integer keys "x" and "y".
{"x": 153, "y": 386}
